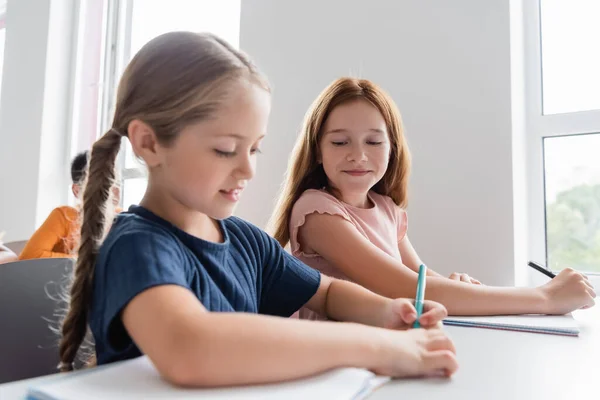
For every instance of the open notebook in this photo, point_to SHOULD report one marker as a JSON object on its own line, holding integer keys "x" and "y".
{"x": 138, "y": 379}
{"x": 552, "y": 324}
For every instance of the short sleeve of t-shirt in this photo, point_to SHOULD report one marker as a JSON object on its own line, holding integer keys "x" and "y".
{"x": 135, "y": 262}
{"x": 287, "y": 283}
{"x": 310, "y": 202}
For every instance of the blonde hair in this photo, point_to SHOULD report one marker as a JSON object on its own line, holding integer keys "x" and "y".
{"x": 305, "y": 172}
{"x": 176, "y": 79}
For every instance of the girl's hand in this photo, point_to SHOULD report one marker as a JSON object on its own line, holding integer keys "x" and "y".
{"x": 455, "y": 276}
{"x": 568, "y": 291}
{"x": 417, "y": 352}
{"x": 401, "y": 314}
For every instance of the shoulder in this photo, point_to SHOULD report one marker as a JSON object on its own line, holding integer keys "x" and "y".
{"x": 312, "y": 202}
{"x": 135, "y": 234}
{"x": 317, "y": 201}
{"x": 316, "y": 196}
{"x": 65, "y": 212}
{"x": 387, "y": 204}
{"x": 244, "y": 233}
{"x": 61, "y": 220}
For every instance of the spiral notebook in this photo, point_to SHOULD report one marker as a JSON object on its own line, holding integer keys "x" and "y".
{"x": 550, "y": 324}
{"x": 138, "y": 379}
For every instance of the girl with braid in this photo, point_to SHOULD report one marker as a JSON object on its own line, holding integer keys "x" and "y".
{"x": 203, "y": 294}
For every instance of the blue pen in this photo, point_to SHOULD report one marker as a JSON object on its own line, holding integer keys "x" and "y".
{"x": 420, "y": 294}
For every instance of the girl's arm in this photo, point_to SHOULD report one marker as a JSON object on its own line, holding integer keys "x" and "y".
{"x": 342, "y": 245}
{"x": 346, "y": 301}
{"x": 411, "y": 259}
{"x": 192, "y": 347}
{"x": 45, "y": 238}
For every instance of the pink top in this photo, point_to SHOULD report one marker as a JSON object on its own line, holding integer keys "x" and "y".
{"x": 384, "y": 225}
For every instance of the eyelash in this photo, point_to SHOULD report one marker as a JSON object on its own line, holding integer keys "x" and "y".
{"x": 343, "y": 143}
{"x": 229, "y": 154}
{"x": 225, "y": 154}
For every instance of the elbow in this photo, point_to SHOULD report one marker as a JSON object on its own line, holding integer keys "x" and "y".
{"x": 182, "y": 366}
{"x": 183, "y": 372}
{"x": 177, "y": 374}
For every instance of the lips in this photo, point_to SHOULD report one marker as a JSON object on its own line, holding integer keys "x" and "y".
{"x": 232, "y": 194}
{"x": 357, "y": 172}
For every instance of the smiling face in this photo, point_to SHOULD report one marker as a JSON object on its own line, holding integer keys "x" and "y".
{"x": 354, "y": 150}
{"x": 209, "y": 164}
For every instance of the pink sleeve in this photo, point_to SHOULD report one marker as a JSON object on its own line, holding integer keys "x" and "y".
{"x": 310, "y": 202}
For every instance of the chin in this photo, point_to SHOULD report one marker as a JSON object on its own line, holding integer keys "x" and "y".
{"x": 221, "y": 213}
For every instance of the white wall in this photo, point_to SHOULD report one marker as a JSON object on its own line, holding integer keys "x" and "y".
{"x": 447, "y": 65}
{"x": 34, "y": 112}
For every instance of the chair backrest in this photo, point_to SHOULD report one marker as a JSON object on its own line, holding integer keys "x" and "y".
{"x": 16, "y": 246}
{"x": 29, "y": 292}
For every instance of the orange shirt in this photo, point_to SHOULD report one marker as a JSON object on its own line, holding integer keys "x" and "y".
{"x": 56, "y": 237}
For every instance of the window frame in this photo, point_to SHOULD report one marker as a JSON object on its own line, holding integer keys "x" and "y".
{"x": 116, "y": 51}
{"x": 540, "y": 126}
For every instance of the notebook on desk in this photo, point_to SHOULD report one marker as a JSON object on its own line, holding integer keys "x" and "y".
{"x": 551, "y": 324}
{"x": 135, "y": 379}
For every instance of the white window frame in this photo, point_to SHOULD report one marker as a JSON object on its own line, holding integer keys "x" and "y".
{"x": 118, "y": 43}
{"x": 540, "y": 126}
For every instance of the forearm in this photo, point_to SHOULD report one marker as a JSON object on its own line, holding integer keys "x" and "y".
{"x": 33, "y": 253}
{"x": 461, "y": 298}
{"x": 466, "y": 299}
{"x": 234, "y": 349}
{"x": 347, "y": 301}
{"x": 431, "y": 272}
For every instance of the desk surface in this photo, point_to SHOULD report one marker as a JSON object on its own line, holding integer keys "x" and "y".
{"x": 497, "y": 364}
{"x": 494, "y": 364}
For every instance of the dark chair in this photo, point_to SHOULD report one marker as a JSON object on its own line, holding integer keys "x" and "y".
{"x": 29, "y": 293}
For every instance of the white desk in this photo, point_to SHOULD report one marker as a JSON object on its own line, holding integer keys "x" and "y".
{"x": 507, "y": 365}
{"x": 493, "y": 365}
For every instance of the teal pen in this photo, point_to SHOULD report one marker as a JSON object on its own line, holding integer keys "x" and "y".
{"x": 420, "y": 299}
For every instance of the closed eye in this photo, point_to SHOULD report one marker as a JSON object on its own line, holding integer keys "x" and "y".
{"x": 226, "y": 154}
{"x": 339, "y": 143}
{"x": 372, "y": 143}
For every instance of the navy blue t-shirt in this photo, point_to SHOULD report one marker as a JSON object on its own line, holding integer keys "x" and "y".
{"x": 248, "y": 272}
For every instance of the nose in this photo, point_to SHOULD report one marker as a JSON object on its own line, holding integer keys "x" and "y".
{"x": 357, "y": 153}
{"x": 246, "y": 167}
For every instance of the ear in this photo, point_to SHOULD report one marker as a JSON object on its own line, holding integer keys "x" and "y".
{"x": 144, "y": 143}
{"x": 76, "y": 188}
{"x": 116, "y": 192}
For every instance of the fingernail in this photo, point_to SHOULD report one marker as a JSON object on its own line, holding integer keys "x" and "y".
{"x": 412, "y": 316}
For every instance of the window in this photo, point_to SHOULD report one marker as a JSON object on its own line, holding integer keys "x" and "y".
{"x": 570, "y": 55}
{"x": 88, "y": 74}
{"x": 144, "y": 20}
{"x": 572, "y": 170}
{"x": 563, "y": 127}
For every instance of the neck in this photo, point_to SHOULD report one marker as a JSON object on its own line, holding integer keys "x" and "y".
{"x": 355, "y": 199}
{"x": 188, "y": 220}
